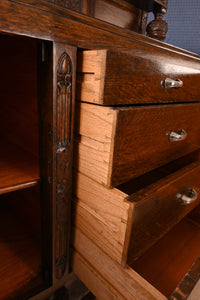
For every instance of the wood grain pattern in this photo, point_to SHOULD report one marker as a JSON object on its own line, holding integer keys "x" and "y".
{"x": 64, "y": 83}
{"x": 104, "y": 277}
{"x": 166, "y": 263}
{"x": 159, "y": 211}
{"x": 123, "y": 225}
{"x": 116, "y": 144}
{"x": 101, "y": 214}
{"x": 129, "y": 77}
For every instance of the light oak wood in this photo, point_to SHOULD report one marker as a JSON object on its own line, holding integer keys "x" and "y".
{"x": 117, "y": 144}
{"x": 123, "y": 224}
{"x": 104, "y": 277}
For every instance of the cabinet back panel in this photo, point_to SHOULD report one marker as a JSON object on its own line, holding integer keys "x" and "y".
{"x": 18, "y": 92}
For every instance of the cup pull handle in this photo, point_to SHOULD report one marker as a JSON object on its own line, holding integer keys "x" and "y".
{"x": 188, "y": 197}
{"x": 173, "y": 136}
{"x": 169, "y": 83}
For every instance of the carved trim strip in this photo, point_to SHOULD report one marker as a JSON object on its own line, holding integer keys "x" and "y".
{"x": 63, "y": 145}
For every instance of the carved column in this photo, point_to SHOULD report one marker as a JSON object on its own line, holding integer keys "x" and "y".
{"x": 158, "y": 28}
{"x": 64, "y": 83}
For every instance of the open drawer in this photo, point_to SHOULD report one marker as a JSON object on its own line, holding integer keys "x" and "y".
{"x": 169, "y": 270}
{"x": 114, "y": 145}
{"x": 154, "y": 75}
{"x": 128, "y": 220}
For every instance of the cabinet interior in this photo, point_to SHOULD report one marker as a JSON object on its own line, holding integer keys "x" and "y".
{"x": 20, "y": 207}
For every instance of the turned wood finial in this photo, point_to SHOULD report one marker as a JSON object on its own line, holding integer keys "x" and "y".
{"x": 158, "y": 28}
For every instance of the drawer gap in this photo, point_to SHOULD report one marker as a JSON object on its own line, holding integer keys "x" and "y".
{"x": 152, "y": 177}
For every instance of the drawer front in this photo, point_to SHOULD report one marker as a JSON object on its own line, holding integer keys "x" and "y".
{"x": 143, "y": 138}
{"x": 162, "y": 209}
{"x": 140, "y": 76}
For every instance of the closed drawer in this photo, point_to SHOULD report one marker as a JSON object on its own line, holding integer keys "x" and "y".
{"x": 124, "y": 222}
{"x": 117, "y": 144}
{"x": 139, "y": 76}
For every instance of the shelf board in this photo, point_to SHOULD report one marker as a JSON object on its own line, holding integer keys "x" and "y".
{"x": 20, "y": 263}
{"x": 18, "y": 168}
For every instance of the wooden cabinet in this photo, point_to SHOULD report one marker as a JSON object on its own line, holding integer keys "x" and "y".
{"x": 37, "y": 90}
{"x": 134, "y": 233}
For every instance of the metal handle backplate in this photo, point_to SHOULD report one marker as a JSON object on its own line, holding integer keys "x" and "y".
{"x": 169, "y": 83}
{"x": 175, "y": 136}
{"x": 188, "y": 197}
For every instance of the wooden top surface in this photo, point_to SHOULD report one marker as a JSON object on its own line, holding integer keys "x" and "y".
{"x": 50, "y": 22}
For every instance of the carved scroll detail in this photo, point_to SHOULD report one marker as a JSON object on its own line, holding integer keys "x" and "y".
{"x": 63, "y": 145}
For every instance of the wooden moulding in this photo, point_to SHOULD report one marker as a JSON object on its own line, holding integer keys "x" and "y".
{"x": 111, "y": 146}
{"x": 113, "y": 77}
{"x": 123, "y": 223}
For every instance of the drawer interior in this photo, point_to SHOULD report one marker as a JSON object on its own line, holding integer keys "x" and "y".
{"x": 167, "y": 262}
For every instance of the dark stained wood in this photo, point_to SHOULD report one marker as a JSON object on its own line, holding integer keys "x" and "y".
{"x": 141, "y": 143}
{"x": 167, "y": 262}
{"x": 20, "y": 264}
{"x": 187, "y": 284}
{"x": 124, "y": 142}
{"x": 64, "y": 99}
{"x": 136, "y": 76}
{"x": 158, "y": 28}
{"x": 118, "y": 12}
{"x": 19, "y": 103}
{"x": 45, "y": 105}
{"x": 18, "y": 168}
{"x": 158, "y": 212}
{"x": 55, "y": 23}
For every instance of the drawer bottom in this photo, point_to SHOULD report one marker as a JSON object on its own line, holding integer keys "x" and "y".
{"x": 168, "y": 270}
{"x": 165, "y": 264}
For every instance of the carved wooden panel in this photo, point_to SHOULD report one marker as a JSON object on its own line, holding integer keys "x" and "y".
{"x": 64, "y": 69}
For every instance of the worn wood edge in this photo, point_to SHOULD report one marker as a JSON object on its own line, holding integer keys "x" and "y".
{"x": 188, "y": 283}
{"x": 110, "y": 181}
{"x": 75, "y": 16}
{"x": 128, "y": 235}
{"x": 20, "y": 186}
{"x": 144, "y": 193}
{"x": 125, "y": 280}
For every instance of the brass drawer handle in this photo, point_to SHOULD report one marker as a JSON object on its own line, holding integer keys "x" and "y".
{"x": 180, "y": 135}
{"x": 169, "y": 83}
{"x": 188, "y": 197}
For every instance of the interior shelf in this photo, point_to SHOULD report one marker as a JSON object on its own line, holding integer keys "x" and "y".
{"x": 19, "y": 169}
{"x": 20, "y": 263}
{"x": 165, "y": 264}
